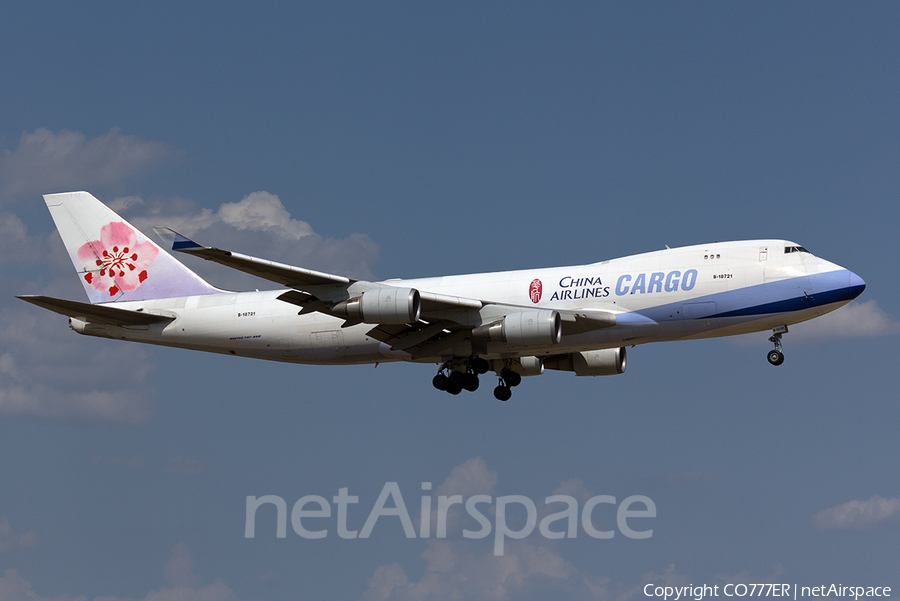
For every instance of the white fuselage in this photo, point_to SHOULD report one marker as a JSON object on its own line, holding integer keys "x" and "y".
{"x": 699, "y": 291}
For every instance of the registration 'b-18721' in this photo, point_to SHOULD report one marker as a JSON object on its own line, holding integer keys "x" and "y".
{"x": 515, "y": 323}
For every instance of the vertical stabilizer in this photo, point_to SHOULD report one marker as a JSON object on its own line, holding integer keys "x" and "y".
{"x": 114, "y": 260}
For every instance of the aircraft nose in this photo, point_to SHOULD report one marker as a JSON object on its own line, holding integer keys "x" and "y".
{"x": 857, "y": 285}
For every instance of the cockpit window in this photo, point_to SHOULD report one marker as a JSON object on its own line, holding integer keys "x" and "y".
{"x": 795, "y": 249}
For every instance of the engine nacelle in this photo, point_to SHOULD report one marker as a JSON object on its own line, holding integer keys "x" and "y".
{"x": 605, "y": 362}
{"x": 530, "y": 366}
{"x": 528, "y": 328}
{"x": 383, "y": 305}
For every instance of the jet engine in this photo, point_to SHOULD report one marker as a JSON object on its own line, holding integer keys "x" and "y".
{"x": 528, "y": 328}
{"x": 383, "y": 305}
{"x": 605, "y": 362}
{"x": 530, "y": 366}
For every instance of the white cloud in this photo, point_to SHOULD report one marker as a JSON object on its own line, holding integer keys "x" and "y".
{"x": 13, "y": 542}
{"x": 51, "y": 162}
{"x": 261, "y": 211}
{"x": 182, "y": 585}
{"x": 15, "y": 244}
{"x": 256, "y": 212}
{"x": 470, "y": 478}
{"x": 573, "y": 487}
{"x": 458, "y": 568}
{"x": 48, "y": 371}
{"x": 179, "y": 570}
{"x": 268, "y": 577}
{"x": 860, "y": 515}
{"x": 855, "y": 320}
{"x": 530, "y": 568}
{"x": 258, "y": 224}
{"x": 461, "y": 569}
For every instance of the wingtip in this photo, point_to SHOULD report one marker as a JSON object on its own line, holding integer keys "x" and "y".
{"x": 174, "y": 240}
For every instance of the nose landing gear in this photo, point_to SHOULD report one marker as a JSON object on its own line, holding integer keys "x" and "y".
{"x": 776, "y": 356}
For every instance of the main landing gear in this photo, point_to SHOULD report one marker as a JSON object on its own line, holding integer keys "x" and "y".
{"x": 458, "y": 375}
{"x": 508, "y": 379}
{"x": 776, "y": 356}
{"x": 462, "y": 374}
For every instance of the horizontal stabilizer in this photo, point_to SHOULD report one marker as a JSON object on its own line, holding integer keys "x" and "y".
{"x": 287, "y": 275}
{"x": 95, "y": 313}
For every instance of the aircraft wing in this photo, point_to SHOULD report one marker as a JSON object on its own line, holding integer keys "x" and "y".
{"x": 299, "y": 278}
{"x": 441, "y": 316}
{"x": 429, "y": 337}
{"x": 96, "y": 313}
{"x": 286, "y": 275}
{"x": 434, "y": 306}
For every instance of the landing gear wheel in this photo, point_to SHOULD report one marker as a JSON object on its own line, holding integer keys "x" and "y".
{"x": 470, "y": 382}
{"x": 440, "y": 382}
{"x": 454, "y": 389}
{"x": 775, "y": 357}
{"x": 511, "y": 378}
{"x": 502, "y": 393}
{"x": 457, "y": 378}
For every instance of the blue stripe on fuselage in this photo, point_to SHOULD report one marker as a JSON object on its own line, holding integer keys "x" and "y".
{"x": 827, "y": 288}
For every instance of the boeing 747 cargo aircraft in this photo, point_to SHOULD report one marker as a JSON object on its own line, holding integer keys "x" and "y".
{"x": 514, "y": 323}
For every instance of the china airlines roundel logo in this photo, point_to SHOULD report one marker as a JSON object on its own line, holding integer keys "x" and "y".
{"x": 535, "y": 290}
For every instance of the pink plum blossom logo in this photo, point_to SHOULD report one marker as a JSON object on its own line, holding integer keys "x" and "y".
{"x": 118, "y": 261}
{"x": 535, "y": 290}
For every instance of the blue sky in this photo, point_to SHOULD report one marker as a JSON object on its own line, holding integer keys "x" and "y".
{"x": 410, "y": 139}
